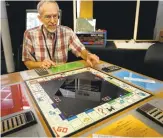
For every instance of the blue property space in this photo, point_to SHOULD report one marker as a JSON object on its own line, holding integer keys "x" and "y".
{"x": 139, "y": 80}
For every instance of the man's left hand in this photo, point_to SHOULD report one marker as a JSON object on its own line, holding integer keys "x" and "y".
{"x": 92, "y": 59}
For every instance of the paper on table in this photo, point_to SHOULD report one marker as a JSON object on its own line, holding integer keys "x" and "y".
{"x": 129, "y": 126}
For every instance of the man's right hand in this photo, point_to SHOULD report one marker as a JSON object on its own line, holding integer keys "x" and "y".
{"x": 47, "y": 64}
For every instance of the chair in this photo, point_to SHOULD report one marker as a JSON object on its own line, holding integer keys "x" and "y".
{"x": 154, "y": 61}
{"x": 19, "y": 64}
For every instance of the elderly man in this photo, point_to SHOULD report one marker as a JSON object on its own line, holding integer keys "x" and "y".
{"x": 47, "y": 45}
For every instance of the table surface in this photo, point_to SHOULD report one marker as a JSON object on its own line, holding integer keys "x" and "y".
{"x": 156, "y": 100}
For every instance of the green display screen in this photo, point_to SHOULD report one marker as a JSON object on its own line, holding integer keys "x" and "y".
{"x": 67, "y": 67}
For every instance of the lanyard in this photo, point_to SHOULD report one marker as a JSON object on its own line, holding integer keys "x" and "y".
{"x": 46, "y": 43}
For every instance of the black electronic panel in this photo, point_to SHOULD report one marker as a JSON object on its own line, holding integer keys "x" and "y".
{"x": 17, "y": 122}
{"x": 111, "y": 68}
{"x": 41, "y": 71}
{"x": 152, "y": 112}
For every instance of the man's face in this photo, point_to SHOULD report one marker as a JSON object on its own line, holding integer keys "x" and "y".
{"x": 49, "y": 16}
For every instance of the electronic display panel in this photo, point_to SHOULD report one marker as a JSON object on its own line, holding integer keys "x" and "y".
{"x": 81, "y": 92}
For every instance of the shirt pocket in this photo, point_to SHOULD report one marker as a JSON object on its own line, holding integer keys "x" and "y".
{"x": 40, "y": 53}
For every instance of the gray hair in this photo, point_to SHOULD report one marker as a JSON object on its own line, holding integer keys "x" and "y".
{"x": 45, "y": 1}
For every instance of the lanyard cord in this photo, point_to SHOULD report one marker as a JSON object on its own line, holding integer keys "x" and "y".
{"x": 46, "y": 43}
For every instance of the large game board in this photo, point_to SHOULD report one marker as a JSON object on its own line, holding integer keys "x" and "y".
{"x": 71, "y": 101}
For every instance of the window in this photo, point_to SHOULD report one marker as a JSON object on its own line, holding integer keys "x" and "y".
{"x": 32, "y": 19}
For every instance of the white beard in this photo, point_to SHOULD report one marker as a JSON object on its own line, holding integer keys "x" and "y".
{"x": 50, "y": 30}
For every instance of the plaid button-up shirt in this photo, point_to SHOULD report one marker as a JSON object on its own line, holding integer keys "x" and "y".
{"x": 34, "y": 47}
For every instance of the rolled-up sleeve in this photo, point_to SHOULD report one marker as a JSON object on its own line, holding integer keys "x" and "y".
{"x": 28, "y": 49}
{"x": 75, "y": 45}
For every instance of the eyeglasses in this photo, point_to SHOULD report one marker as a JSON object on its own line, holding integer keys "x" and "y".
{"x": 49, "y": 17}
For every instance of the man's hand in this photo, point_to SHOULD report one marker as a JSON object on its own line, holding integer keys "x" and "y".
{"x": 47, "y": 64}
{"x": 92, "y": 59}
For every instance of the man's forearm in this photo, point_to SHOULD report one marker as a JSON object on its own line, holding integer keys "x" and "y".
{"x": 90, "y": 58}
{"x": 32, "y": 64}
{"x": 84, "y": 54}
